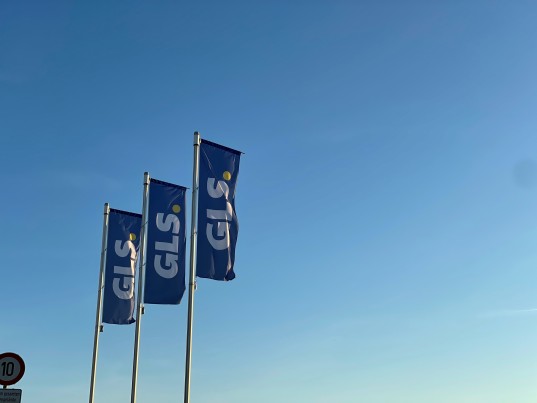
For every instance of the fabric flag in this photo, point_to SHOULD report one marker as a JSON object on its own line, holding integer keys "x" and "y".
{"x": 218, "y": 225}
{"x": 166, "y": 244}
{"x": 121, "y": 253}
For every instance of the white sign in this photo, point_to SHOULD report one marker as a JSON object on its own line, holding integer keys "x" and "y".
{"x": 11, "y": 368}
{"x": 10, "y": 395}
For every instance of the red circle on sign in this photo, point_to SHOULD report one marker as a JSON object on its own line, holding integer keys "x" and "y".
{"x": 17, "y": 358}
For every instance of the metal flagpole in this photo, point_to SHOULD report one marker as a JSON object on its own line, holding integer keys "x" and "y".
{"x": 192, "y": 282}
{"x": 98, "y": 325}
{"x": 141, "y": 279}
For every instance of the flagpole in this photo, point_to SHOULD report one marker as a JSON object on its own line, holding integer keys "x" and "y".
{"x": 141, "y": 279}
{"x": 98, "y": 325}
{"x": 193, "y": 247}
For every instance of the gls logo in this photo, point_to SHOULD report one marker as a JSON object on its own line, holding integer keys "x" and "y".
{"x": 165, "y": 223}
{"x": 222, "y": 217}
{"x": 123, "y": 285}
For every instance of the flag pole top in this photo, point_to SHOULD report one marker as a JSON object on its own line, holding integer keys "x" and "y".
{"x": 106, "y": 208}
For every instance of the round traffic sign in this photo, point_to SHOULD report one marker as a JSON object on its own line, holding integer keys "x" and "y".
{"x": 11, "y": 368}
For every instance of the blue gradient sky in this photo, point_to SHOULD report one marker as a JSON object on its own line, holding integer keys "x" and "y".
{"x": 387, "y": 199}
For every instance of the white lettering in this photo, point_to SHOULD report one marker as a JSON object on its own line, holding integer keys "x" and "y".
{"x": 172, "y": 246}
{"x": 225, "y": 215}
{"x": 123, "y": 250}
{"x": 123, "y": 286}
{"x": 217, "y": 190}
{"x": 222, "y": 232}
{"x": 219, "y": 237}
{"x": 172, "y": 267}
{"x": 166, "y": 224}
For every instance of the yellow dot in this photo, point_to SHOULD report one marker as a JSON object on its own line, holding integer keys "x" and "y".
{"x": 132, "y": 237}
{"x": 176, "y": 208}
{"x": 227, "y": 175}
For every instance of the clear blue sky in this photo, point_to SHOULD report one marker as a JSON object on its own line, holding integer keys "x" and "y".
{"x": 387, "y": 199}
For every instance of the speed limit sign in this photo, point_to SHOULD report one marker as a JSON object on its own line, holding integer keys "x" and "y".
{"x": 11, "y": 368}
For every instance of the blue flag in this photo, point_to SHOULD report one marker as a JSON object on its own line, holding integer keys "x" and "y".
{"x": 218, "y": 225}
{"x": 121, "y": 252}
{"x": 166, "y": 243}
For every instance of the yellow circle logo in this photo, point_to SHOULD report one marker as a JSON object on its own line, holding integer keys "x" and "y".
{"x": 227, "y": 175}
{"x": 176, "y": 208}
{"x": 132, "y": 237}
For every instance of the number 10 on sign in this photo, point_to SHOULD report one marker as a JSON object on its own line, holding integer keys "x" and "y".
{"x": 11, "y": 369}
